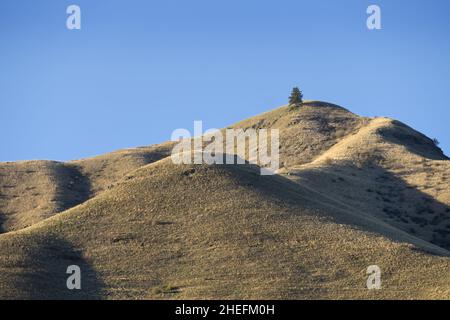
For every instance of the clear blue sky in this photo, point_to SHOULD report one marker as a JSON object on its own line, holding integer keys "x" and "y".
{"x": 140, "y": 69}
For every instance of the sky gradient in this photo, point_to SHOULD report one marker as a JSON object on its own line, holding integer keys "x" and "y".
{"x": 137, "y": 70}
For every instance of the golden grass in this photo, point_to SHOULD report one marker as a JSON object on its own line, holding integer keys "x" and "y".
{"x": 155, "y": 230}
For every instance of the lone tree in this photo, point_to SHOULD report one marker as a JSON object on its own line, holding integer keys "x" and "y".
{"x": 296, "y": 98}
{"x": 436, "y": 142}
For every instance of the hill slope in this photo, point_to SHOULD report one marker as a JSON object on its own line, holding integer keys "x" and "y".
{"x": 215, "y": 232}
{"x": 352, "y": 192}
{"x": 31, "y": 191}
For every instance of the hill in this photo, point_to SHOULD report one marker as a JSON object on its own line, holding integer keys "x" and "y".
{"x": 352, "y": 192}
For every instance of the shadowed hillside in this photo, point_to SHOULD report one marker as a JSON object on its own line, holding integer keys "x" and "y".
{"x": 172, "y": 231}
{"x": 38, "y": 270}
{"x": 352, "y": 192}
{"x": 31, "y": 191}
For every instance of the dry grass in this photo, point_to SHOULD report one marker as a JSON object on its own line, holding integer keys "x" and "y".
{"x": 31, "y": 191}
{"x": 151, "y": 231}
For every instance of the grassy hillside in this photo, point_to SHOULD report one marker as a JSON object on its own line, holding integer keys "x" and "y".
{"x": 171, "y": 231}
{"x": 31, "y": 191}
{"x": 352, "y": 192}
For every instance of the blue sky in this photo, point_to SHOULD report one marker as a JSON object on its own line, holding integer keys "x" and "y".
{"x": 137, "y": 70}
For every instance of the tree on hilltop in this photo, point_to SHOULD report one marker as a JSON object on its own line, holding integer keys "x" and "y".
{"x": 296, "y": 98}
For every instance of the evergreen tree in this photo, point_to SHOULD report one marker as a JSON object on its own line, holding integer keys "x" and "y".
{"x": 436, "y": 142}
{"x": 296, "y": 98}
